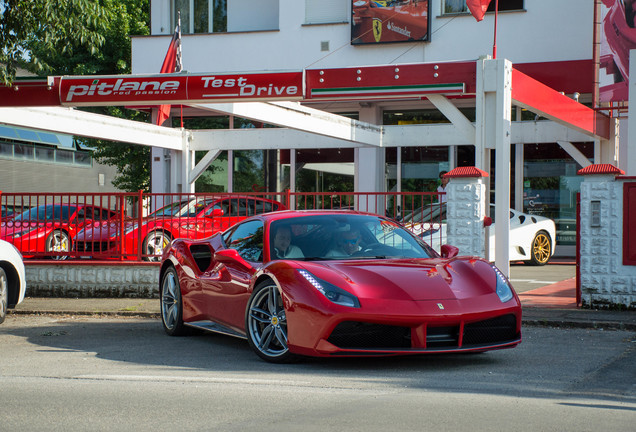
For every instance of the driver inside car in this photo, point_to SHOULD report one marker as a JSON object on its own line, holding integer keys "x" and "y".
{"x": 282, "y": 247}
{"x": 348, "y": 244}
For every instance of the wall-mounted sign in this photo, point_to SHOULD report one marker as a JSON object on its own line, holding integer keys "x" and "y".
{"x": 390, "y": 21}
{"x": 175, "y": 88}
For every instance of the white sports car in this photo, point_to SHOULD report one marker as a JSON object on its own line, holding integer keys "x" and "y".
{"x": 531, "y": 237}
{"x": 12, "y": 279}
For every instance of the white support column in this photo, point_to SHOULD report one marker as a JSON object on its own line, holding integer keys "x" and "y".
{"x": 371, "y": 178}
{"x": 482, "y": 142}
{"x": 503, "y": 119}
{"x": 187, "y": 165}
{"x": 493, "y": 127}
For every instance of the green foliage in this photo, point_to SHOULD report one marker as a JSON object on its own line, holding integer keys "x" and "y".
{"x": 80, "y": 37}
{"x": 29, "y": 28}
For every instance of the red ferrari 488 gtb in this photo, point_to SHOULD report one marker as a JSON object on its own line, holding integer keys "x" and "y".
{"x": 335, "y": 283}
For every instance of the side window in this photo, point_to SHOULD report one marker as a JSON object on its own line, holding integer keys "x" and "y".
{"x": 263, "y": 207}
{"x": 247, "y": 239}
{"x": 80, "y": 216}
{"x": 223, "y": 205}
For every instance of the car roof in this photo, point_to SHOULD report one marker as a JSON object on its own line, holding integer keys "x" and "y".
{"x": 288, "y": 214}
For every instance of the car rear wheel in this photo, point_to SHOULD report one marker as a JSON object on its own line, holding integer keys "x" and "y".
{"x": 58, "y": 242}
{"x": 4, "y": 295}
{"x": 154, "y": 245}
{"x": 171, "y": 304}
{"x": 541, "y": 249}
{"x": 266, "y": 324}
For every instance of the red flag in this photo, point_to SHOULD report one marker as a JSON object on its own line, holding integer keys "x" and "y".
{"x": 478, "y": 8}
{"x": 171, "y": 64}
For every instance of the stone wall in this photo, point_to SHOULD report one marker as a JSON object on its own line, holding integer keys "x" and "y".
{"x": 466, "y": 208}
{"x": 605, "y": 281}
{"x": 91, "y": 279}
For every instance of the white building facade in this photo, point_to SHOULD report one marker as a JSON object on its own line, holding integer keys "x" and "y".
{"x": 550, "y": 41}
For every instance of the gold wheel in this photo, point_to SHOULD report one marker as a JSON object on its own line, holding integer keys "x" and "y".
{"x": 541, "y": 248}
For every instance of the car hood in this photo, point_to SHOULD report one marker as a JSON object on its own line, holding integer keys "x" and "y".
{"x": 410, "y": 279}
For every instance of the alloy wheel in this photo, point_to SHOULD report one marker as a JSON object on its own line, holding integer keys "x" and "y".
{"x": 267, "y": 324}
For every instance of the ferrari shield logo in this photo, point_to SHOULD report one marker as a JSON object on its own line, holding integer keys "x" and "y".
{"x": 440, "y": 306}
{"x": 377, "y": 29}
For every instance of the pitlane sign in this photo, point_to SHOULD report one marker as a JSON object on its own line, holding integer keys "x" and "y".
{"x": 180, "y": 88}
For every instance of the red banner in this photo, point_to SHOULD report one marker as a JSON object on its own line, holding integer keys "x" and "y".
{"x": 175, "y": 88}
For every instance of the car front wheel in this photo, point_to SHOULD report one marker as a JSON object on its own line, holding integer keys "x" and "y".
{"x": 266, "y": 324}
{"x": 154, "y": 245}
{"x": 171, "y": 304}
{"x": 59, "y": 242}
{"x": 541, "y": 249}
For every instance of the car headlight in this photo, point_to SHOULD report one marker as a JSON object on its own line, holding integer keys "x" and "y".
{"x": 330, "y": 291}
{"x": 504, "y": 291}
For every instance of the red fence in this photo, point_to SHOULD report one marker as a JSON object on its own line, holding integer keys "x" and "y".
{"x": 138, "y": 226}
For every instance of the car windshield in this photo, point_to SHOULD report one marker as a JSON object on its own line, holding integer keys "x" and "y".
{"x": 47, "y": 213}
{"x": 431, "y": 213}
{"x": 189, "y": 208}
{"x": 343, "y": 237}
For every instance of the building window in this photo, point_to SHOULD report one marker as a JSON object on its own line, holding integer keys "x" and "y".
{"x": 47, "y": 154}
{"x": 200, "y": 16}
{"x": 326, "y": 11}
{"x": 459, "y": 6}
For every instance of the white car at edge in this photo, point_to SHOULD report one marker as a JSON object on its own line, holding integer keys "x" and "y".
{"x": 12, "y": 278}
{"x": 532, "y": 237}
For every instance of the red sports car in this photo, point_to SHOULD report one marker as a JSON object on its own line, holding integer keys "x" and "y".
{"x": 194, "y": 218}
{"x": 335, "y": 283}
{"x": 48, "y": 229}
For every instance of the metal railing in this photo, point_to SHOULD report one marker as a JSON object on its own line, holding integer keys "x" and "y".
{"x": 137, "y": 226}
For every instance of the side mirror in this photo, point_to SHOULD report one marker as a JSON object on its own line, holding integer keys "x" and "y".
{"x": 449, "y": 251}
{"x": 230, "y": 256}
{"x": 216, "y": 212}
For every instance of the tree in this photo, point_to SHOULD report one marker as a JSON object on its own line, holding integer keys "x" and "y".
{"x": 81, "y": 37}
{"x": 31, "y": 26}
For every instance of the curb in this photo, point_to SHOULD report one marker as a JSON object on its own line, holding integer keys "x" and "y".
{"x": 128, "y": 314}
{"x": 528, "y": 322}
{"x": 592, "y": 325}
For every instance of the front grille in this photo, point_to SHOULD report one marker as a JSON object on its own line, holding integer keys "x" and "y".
{"x": 496, "y": 330}
{"x": 361, "y": 335}
{"x": 442, "y": 337}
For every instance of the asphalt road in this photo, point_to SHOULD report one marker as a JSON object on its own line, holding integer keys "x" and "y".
{"x": 70, "y": 373}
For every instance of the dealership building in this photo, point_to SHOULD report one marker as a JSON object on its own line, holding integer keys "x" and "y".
{"x": 383, "y": 96}
{"x": 553, "y": 43}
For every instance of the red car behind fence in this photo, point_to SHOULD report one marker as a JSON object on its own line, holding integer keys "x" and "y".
{"x": 62, "y": 226}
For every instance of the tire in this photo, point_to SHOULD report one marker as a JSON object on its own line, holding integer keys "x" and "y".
{"x": 4, "y": 295}
{"x": 171, "y": 304}
{"x": 266, "y": 324}
{"x": 541, "y": 249}
{"x": 154, "y": 245}
{"x": 58, "y": 241}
